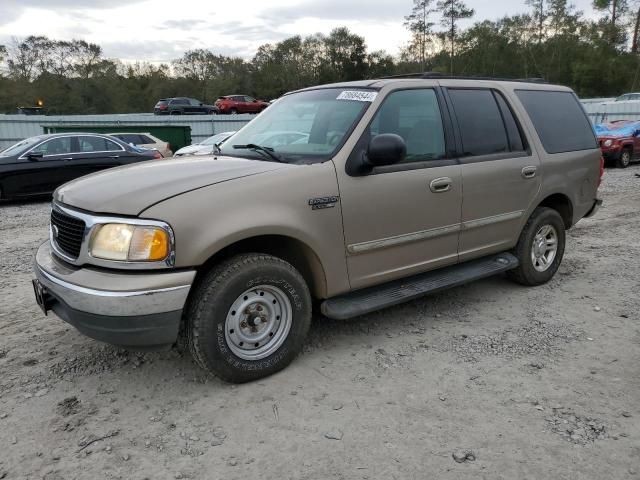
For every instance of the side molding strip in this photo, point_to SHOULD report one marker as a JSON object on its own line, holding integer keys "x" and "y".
{"x": 402, "y": 239}
{"x": 357, "y": 248}
{"x": 483, "y": 222}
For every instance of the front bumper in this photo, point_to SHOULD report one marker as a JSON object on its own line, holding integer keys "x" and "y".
{"x": 596, "y": 206}
{"x": 133, "y": 309}
{"x": 613, "y": 154}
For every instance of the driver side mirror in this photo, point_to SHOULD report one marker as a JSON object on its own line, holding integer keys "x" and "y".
{"x": 383, "y": 149}
{"x": 386, "y": 149}
{"x": 35, "y": 156}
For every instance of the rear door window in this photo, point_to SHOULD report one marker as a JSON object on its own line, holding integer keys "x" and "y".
{"x": 480, "y": 122}
{"x": 97, "y": 144}
{"x": 559, "y": 120}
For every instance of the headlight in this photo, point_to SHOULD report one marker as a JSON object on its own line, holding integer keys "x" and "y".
{"x": 608, "y": 143}
{"x": 130, "y": 243}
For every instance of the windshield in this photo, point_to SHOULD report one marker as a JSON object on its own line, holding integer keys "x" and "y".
{"x": 20, "y": 147}
{"x": 309, "y": 125}
{"x": 217, "y": 138}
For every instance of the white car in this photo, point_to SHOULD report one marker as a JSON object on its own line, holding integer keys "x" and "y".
{"x": 145, "y": 140}
{"x": 206, "y": 147}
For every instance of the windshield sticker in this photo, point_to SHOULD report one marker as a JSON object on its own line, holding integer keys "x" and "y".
{"x": 358, "y": 96}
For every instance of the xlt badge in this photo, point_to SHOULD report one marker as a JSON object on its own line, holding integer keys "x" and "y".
{"x": 323, "y": 202}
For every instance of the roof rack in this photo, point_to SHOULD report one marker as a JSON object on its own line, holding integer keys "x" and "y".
{"x": 444, "y": 76}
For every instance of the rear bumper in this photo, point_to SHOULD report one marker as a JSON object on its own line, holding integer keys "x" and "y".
{"x": 130, "y": 309}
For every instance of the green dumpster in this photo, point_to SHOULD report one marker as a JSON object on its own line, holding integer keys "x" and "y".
{"x": 177, "y": 135}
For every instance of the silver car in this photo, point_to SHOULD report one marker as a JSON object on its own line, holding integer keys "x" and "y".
{"x": 206, "y": 147}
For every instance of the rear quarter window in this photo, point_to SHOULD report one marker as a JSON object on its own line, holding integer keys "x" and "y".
{"x": 559, "y": 120}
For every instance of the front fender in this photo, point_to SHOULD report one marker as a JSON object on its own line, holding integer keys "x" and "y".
{"x": 207, "y": 220}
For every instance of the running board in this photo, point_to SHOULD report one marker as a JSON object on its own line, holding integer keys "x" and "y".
{"x": 371, "y": 299}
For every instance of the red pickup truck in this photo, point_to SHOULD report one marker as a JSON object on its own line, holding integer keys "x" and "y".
{"x": 233, "y": 104}
{"x": 619, "y": 141}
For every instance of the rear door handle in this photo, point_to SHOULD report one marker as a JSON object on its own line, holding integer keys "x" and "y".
{"x": 440, "y": 185}
{"x": 529, "y": 172}
{"x": 114, "y": 156}
{"x": 67, "y": 159}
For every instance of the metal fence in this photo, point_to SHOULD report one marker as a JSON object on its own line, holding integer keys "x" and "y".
{"x": 14, "y": 128}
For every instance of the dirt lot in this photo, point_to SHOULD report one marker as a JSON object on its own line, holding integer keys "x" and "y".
{"x": 533, "y": 383}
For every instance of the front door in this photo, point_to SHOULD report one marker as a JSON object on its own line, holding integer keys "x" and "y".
{"x": 43, "y": 174}
{"x": 403, "y": 219}
{"x": 501, "y": 174}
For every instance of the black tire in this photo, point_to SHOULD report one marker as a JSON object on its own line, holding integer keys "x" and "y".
{"x": 625, "y": 158}
{"x": 526, "y": 273}
{"x": 209, "y": 306}
{"x": 175, "y": 112}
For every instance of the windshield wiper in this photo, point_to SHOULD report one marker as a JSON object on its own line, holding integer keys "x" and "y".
{"x": 259, "y": 148}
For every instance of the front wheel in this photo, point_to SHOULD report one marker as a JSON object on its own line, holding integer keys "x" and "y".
{"x": 248, "y": 317}
{"x": 625, "y": 158}
{"x": 540, "y": 248}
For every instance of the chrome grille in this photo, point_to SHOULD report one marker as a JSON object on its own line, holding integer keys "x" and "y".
{"x": 67, "y": 232}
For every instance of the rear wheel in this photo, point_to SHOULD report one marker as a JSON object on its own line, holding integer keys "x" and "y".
{"x": 625, "y": 158}
{"x": 248, "y": 317}
{"x": 540, "y": 248}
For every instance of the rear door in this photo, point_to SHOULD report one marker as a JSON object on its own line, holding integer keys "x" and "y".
{"x": 500, "y": 174}
{"x": 95, "y": 153}
{"x": 251, "y": 105}
{"x": 240, "y": 104}
{"x": 404, "y": 219}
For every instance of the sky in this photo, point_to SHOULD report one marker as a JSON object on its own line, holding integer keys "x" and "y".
{"x": 162, "y": 30}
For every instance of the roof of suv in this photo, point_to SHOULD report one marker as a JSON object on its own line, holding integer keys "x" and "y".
{"x": 378, "y": 83}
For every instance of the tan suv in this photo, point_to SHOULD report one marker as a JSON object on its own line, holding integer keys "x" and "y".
{"x": 390, "y": 189}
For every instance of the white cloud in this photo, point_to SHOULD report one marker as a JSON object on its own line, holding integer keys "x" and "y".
{"x": 160, "y": 30}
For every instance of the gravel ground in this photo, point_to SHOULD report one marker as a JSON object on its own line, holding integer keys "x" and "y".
{"x": 490, "y": 380}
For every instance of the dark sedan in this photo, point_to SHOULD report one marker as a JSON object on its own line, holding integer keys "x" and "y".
{"x": 38, "y": 165}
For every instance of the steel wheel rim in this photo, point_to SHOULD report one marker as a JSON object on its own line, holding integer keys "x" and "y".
{"x": 258, "y": 322}
{"x": 626, "y": 158}
{"x": 544, "y": 248}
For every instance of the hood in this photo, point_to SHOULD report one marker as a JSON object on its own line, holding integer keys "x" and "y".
{"x": 131, "y": 189}
{"x": 191, "y": 149}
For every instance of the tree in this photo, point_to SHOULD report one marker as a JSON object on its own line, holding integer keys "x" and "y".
{"x": 346, "y": 55}
{"x": 636, "y": 28}
{"x": 539, "y": 17}
{"x": 417, "y": 22}
{"x": 452, "y": 12}
{"x": 87, "y": 58}
{"x": 615, "y": 11}
{"x": 3, "y": 55}
{"x": 28, "y": 58}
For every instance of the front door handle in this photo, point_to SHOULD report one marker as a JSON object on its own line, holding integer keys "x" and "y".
{"x": 114, "y": 156}
{"x": 529, "y": 172}
{"x": 440, "y": 185}
{"x": 67, "y": 159}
